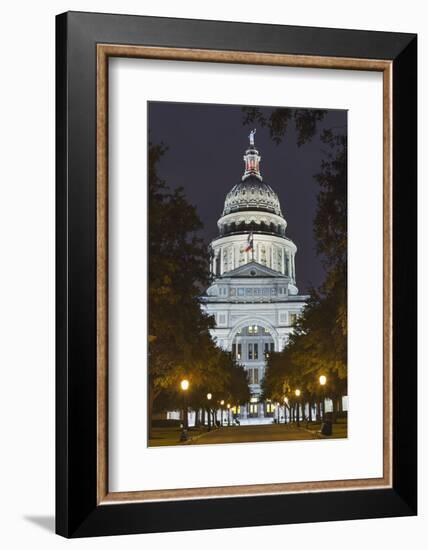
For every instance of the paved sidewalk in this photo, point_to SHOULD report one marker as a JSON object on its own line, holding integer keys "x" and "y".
{"x": 259, "y": 432}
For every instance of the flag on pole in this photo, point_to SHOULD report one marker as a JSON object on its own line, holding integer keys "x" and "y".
{"x": 250, "y": 245}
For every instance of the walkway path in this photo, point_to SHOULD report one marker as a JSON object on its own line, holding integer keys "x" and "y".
{"x": 246, "y": 434}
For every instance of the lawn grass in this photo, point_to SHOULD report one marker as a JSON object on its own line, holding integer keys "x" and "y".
{"x": 171, "y": 436}
{"x": 340, "y": 428}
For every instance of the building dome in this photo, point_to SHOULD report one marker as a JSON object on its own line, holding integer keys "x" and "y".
{"x": 252, "y": 194}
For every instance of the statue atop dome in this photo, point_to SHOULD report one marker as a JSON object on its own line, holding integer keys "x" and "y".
{"x": 251, "y": 137}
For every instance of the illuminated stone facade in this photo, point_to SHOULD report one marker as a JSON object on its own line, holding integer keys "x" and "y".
{"x": 253, "y": 297}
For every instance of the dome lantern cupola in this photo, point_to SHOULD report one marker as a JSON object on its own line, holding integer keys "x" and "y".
{"x": 252, "y": 159}
{"x": 252, "y": 193}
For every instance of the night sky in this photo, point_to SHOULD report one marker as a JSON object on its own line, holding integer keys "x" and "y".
{"x": 206, "y": 144}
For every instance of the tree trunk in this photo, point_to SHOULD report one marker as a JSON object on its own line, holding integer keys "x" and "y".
{"x": 153, "y": 394}
{"x": 318, "y": 411}
{"x": 334, "y": 411}
{"x": 310, "y": 411}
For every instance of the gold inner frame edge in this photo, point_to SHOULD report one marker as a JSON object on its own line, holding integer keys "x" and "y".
{"x": 104, "y": 52}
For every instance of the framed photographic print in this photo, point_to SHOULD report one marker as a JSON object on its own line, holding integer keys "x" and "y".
{"x": 236, "y": 251}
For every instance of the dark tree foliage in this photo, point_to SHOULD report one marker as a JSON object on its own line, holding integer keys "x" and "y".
{"x": 330, "y": 224}
{"x": 305, "y": 122}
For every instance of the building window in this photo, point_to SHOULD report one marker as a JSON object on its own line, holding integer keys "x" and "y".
{"x": 293, "y": 318}
{"x": 241, "y": 291}
{"x": 269, "y": 348}
{"x": 270, "y": 408}
{"x": 233, "y": 292}
{"x": 250, "y": 352}
{"x": 253, "y": 376}
{"x": 253, "y": 330}
{"x": 249, "y": 291}
{"x": 253, "y": 409}
{"x": 241, "y": 256}
{"x": 256, "y": 351}
{"x": 256, "y": 376}
{"x": 237, "y": 351}
{"x": 222, "y": 319}
{"x": 225, "y": 266}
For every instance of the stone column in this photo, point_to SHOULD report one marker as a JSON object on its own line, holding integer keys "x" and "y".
{"x": 283, "y": 260}
{"x": 221, "y": 261}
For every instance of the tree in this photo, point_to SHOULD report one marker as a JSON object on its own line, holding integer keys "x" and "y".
{"x": 225, "y": 380}
{"x": 179, "y": 338}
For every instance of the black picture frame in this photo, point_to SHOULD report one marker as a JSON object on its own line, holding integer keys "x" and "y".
{"x": 77, "y": 511}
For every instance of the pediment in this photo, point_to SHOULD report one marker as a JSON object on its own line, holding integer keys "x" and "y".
{"x": 252, "y": 270}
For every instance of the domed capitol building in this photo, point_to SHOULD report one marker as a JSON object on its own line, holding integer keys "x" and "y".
{"x": 254, "y": 296}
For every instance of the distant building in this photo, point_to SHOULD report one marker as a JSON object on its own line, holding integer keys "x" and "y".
{"x": 253, "y": 297}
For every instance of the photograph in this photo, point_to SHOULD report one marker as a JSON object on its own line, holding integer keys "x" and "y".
{"x": 247, "y": 274}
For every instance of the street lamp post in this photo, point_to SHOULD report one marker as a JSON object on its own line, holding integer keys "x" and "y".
{"x": 228, "y": 414}
{"x": 297, "y": 394}
{"x": 285, "y": 409}
{"x": 323, "y": 381}
{"x": 209, "y": 397}
{"x": 221, "y": 412}
{"x": 184, "y": 385}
